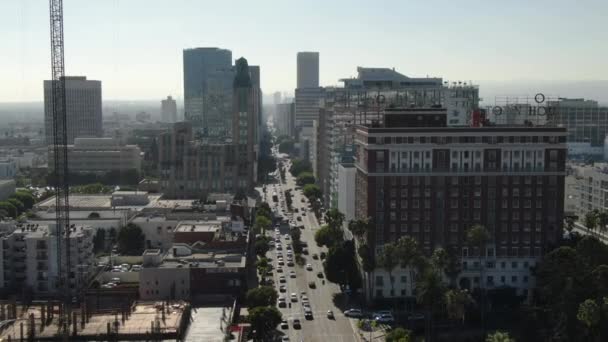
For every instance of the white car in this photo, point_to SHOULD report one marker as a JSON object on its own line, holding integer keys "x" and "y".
{"x": 292, "y": 274}
{"x": 286, "y": 236}
{"x": 294, "y": 297}
{"x": 309, "y": 267}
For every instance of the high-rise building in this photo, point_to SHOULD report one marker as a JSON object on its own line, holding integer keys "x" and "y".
{"x": 308, "y": 69}
{"x": 168, "y": 110}
{"x": 586, "y": 121}
{"x": 276, "y": 97}
{"x": 83, "y": 108}
{"x": 208, "y": 78}
{"x": 245, "y": 120}
{"x": 417, "y": 177}
{"x": 284, "y": 118}
{"x": 192, "y": 166}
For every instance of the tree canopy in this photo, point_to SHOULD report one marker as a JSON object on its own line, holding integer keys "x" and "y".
{"x": 262, "y": 224}
{"x": 305, "y": 178}
{"x": 398, "y": 335}
{"x": 312, "y": 192}
{"x": 300, "y": 165}
{"x": 263, "y": 320}
{"x": 131, "y": 240}
{"x": 261, "y": 296}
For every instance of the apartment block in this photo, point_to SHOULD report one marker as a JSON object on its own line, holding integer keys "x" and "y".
{"x": 101, "y": 155}
{"x": 418, "y": 177}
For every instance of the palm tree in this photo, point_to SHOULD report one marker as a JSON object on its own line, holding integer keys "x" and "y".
{"x": 440, "y": 259}
{"x": 368, "y": 264}
{"x": 408, "y": 251}
{"x": 358, "y": 228}
{"x": 477, "y": 237}
{"x": 453, "y": 267}
{"x": 456, "y": 303}
{"x": 430, "y": 292}
{"x": 388, "y": 260}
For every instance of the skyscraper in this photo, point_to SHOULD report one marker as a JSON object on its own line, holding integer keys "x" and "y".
{"x": 168, "y": 110}
{"x": 245, "y": 122}
{"x": 83, "y": 108}
{"x": 208, "y": 78}
{"x": 308, "y": 69}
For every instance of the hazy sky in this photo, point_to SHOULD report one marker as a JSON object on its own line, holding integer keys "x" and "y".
{"x": 135, "y": 46}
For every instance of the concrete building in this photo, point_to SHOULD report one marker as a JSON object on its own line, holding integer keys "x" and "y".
{"x": 168, "y": 110}
{"x": 308, "y": 101}
{"x": 417, "y": 177}
{"x": 83, "y": 108}
{"x": 101, "y": 155}
{"x": 588, "y": 188}
{"x": 586, "y": 121}
{"x": 284, "y": 119}
{"x": 8, "y": 169}
{"x": 308, "y": 70}
{"x": 7, "y": 188}
{"x": 29, "y": 256}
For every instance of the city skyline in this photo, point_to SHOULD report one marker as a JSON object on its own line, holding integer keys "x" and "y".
{"x": 138, "y": 59}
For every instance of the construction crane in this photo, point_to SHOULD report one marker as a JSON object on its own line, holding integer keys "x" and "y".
{"x": 60, "y": 160}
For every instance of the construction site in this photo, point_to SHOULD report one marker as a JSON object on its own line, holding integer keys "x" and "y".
{"x": 42, "y": 321}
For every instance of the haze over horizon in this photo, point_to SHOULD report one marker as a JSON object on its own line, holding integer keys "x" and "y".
{"x": 135, "y": 48}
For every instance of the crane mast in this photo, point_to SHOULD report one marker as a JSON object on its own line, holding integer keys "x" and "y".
{"x": 60, "y": 142}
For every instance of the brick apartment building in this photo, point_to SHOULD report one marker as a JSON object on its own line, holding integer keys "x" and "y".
{"x": 417, "y": 177}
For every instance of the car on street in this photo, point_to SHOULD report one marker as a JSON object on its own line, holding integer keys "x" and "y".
{"x": 292, "y": 274}
{"x": 385, "y": 319}
{"x": 299, "y": 218}
{"x": 290, "y": 263}
{"x": 330, "y": 314}
{"x": 283, "y": 288}
{"x": 309, "y": 267}
{"x": 320, "y": 274}
{"x": 286, "y": 236}
{"x": 282, "y": 302}
{"x": 294, "y": 297}
{"x": 288, "y": 247}
{"x": 315, "y": 256}
{"x": 284, "y": 324}
{"x": 312, "y": 285}
{"x": 354, "y": 313}
{"x": 323, "y": 255}
{"x": 307, "y": 313}
{"x": 305, "y": 251}
{"x": 296, "y": 323}
{"x": 279, "y": 247}
{"x": 303, "y": 213}
{"x": 280, "y": 262}
{"x": 285, "y": 339}
{"x": 282, "y": 279}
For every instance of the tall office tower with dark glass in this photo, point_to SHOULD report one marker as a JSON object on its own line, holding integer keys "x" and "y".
{"x": 208, "y": 76}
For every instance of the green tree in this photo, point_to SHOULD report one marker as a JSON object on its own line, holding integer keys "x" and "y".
{"x": 261, "y": 247}
{"x": 18, "y": 204}
{"x": 340, "y": 265}
{"x": 26, "y": 198}
{"x": 358, "y": 228}
{"x": 264, "y": 320}
{"x": 477, "y": 238}
{"x": 298, "y": 166}
{"x": 602, "y": 220}
{"x": 10, "y": 209}
{"x": 261, "y": 225}
{"x": 112, "y": 235}
{"x": 398, "y": 335}
{"x": 407, "y": 252}
{"x": 590, "y": 220}
{"x": 261, "y": 296}
{"x": 499, "y": 336}
{"x": 264, "y": 210}
{"x": 569, "y": 223}
{"x": 131, "y": 240}
{"x": 453, "y": 267}
{"x": 430, "y": 292}
{"x": 368, "y": 264}
{"x": 286, "y": 146}
{"x": 457, "y": 301}
{"x": 334, "y": 218}
{"x": 328, "y": 236}
{"x": 99, "y": 240}
{"x": 589, "y": 314}
{"x": 312, "y": 192}
{"x": 388, "y": 260}
{"x": 440, "y": 259}
{"x": 592, "y": 251}
{"x": 305, "y": 178}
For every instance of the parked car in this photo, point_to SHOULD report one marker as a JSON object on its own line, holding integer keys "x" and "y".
{"x": 284, "y": 324}
{"x": 309, "y": 267}
{"x": 312, "y": 285}
{"x": 330, "y": 314}
{"x": 296, "y": 323}
{"x": 355, "y": 313}
{"x": 385, "y": 319}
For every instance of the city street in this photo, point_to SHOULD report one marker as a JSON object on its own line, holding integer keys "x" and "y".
{"x": 320, "y": 327}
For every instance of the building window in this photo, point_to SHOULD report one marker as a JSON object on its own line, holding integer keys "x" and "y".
{"x": 404, "y": 279}
{"x": 379, "y": 281}
{"x": 514, "y": 279}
